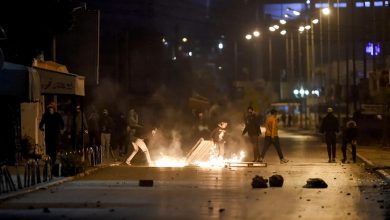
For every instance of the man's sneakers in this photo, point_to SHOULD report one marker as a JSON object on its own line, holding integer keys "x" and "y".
{"x": 283, "y": 160}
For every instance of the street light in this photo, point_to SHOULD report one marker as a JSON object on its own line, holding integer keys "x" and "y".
{"x": 256, "y": 33}
{"x": 248, "y": 36}
{"x": 325, "y": 11}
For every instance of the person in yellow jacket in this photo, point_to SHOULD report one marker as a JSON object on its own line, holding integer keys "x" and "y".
{"x": 271, "y": 136}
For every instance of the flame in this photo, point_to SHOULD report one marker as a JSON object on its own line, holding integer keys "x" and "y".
{"x": 167, "y": 161}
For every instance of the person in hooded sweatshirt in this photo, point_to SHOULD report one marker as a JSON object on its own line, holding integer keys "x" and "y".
{"x": 330, "y": 128}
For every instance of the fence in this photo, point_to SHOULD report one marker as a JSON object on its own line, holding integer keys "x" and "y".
{"x": 38, "y": 171}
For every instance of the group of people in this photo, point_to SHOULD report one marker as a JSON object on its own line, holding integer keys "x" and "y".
{"x": 330, "y": 129}
{"x": 99, "y": 127}
{"x": 252, "y": 128}
{"x": 129, "y": 132}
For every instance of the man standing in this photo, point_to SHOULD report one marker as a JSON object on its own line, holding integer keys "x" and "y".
{"x": 271, "y": 136}
{"x": 252, "y": 127}
{"x": 350, "y": 133}
{"x": 53, "y": 124}
{"x": 330, "y": 126}
{"x": 105, "y": 135}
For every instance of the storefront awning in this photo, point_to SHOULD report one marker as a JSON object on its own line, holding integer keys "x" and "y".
{"x": 19, "y": 83}
{"x": 60, "y": 83}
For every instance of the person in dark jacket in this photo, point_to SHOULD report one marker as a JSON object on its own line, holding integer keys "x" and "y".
{"x": 106, "y": 125}
{"x": 350, "y": 133}
{"x": 252, "y": 127}
{"x": 53, "y": 125}
{"x": 330, "y": 126}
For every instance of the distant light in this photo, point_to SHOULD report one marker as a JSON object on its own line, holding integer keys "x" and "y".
{"x": 256, "y": 33}
{"x": 173, "y": 58}
{"x": 307, "y": 27}
{"x": 163, "y": 40}
{"x": 296, "y": 13}
{"x": 184, "y": 39}
{"x": 325, "y": 11}
{"x": 166, "y": 43}
{"x": 276, "y": 27}
{"x": 220, "y": 67}
{"x": 301, "y": 28}
{"x": 222, "y": 36}
{"x": 296, "y": 92}
{"x": 220, "y": 46}
{"x": 283, "y": 21}
{"x": 306, "y": 92}
{"x": 190, "y": 54}
{"x": 283, "y": 32}
{"x": 302, "y": 92}
{"x": 248, "y": 36}
{"x": 272, "y": 29}
{"x": 373, "y": 50}
{"x": 308, "y": 2}
{"x": 315, "y": 21}
{"x": 315, "y": 92}
{"x": 286, "y": 16}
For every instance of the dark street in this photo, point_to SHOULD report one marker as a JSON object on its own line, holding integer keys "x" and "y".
{"x": 353, "y": 192}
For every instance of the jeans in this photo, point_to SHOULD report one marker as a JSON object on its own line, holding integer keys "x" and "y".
{"x": 267, "y": 143}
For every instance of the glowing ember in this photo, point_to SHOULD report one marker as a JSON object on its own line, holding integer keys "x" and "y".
{"x": 220, "y": 162}
{"x": 166, "y": 161}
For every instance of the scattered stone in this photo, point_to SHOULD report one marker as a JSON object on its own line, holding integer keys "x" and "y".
{"x": 221, "y": 210}
{"x": 374, "y": 186}
{"x": 334, "y": 178}
{"x": 46, "y": 210}
{"x": 348, "y": 213}
{"x": 350, "y": 178}
{"x": 308, "y": 200}
{"x": 381, "y": 207}
{"x": 112, "y": 210}
{"x": 348, "y": 194}
{"x": 259, "y": 182}
{"x": 341, "y": 191}
{"x": 146, "y": 183}
{"x": 299, "y": 216}
{"x": 381, "y": 201}
{"x": 209, "y": 201}
{"x": 315, "y": 183}
{"x": 276, "y": 181}
{"x": 322, "y": 206}
{"x": 265, "y": 192}
{"x": 300, "y": 197}
{"x": 211, "y": 208}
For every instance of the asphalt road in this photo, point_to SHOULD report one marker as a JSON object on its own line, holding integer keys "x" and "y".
{"x": 215, "y": 193}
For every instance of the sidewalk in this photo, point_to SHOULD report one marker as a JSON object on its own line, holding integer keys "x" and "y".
{"x": 376, "y": 157}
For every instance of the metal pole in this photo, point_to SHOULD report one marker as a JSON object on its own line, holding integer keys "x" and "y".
{"x": 270, "y": 57}
{"x": 235, "y": 60}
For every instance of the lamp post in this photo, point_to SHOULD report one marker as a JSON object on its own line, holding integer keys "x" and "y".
{"x": 252, "y": 36}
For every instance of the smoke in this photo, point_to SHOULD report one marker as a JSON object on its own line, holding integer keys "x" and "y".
{"x": 167, "y": 145}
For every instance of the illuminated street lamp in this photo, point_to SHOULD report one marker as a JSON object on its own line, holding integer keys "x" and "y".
{"x": 325, "y": 11}
{"x": 282, "y": 21}
{"x": 184, "y": 39}
{"x": 272, "y": 29}
{"x": 283, "y": 32}
{"x": 256, "y": 33}
{"x": 248, "y": 36}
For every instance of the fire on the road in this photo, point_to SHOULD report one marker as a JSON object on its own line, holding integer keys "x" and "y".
{"x": 166, "y": 161}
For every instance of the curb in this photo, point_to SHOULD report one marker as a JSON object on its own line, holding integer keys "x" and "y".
{"x": 48, "y": 184}
{"x": 382, "y": 173}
